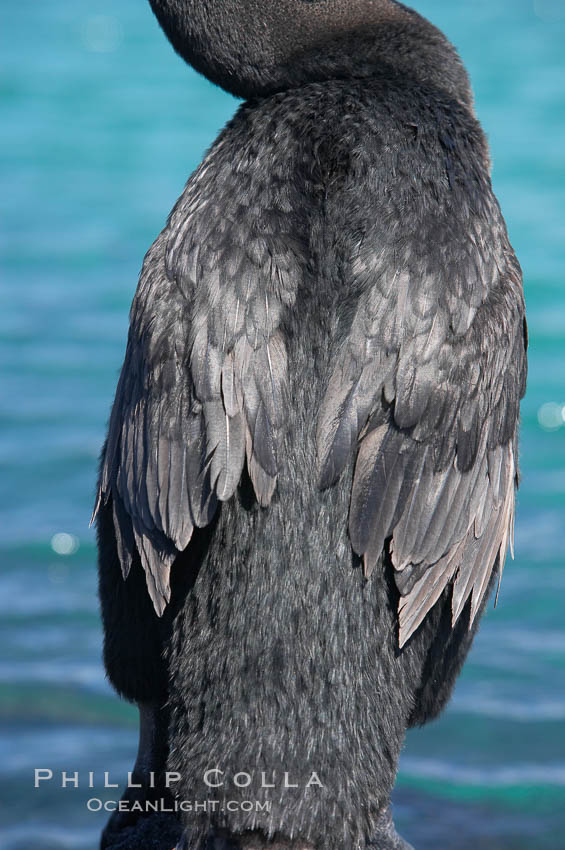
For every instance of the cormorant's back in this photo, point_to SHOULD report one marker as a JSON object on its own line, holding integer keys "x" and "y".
{"x": 312, "y": 450}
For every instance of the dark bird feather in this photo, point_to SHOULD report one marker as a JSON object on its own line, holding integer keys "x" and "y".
{"x": 328, "y": 338}
{"x": 199, "y": 395}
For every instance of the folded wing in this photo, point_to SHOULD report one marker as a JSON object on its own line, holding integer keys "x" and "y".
{"x": 203, "y": 384}
{"x": 424, "y": 393}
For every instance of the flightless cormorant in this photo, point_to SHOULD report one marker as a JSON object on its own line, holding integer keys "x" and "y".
{"x": 308, "y": 480}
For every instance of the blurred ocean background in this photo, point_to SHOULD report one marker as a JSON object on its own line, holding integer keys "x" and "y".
{"x": 101, "y": 126}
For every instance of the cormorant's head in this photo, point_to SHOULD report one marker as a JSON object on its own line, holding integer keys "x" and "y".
{"x": 255, "y": 47}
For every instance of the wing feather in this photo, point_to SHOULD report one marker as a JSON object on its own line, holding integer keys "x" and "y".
{"x": 424, "y": 393}
{"x": 204, "y": 380}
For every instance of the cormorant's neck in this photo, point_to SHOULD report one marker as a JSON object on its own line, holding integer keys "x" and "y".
{"x": 256, "y": 47}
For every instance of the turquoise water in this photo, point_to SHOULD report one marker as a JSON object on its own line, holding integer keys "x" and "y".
{"x": 101, "y": 125}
